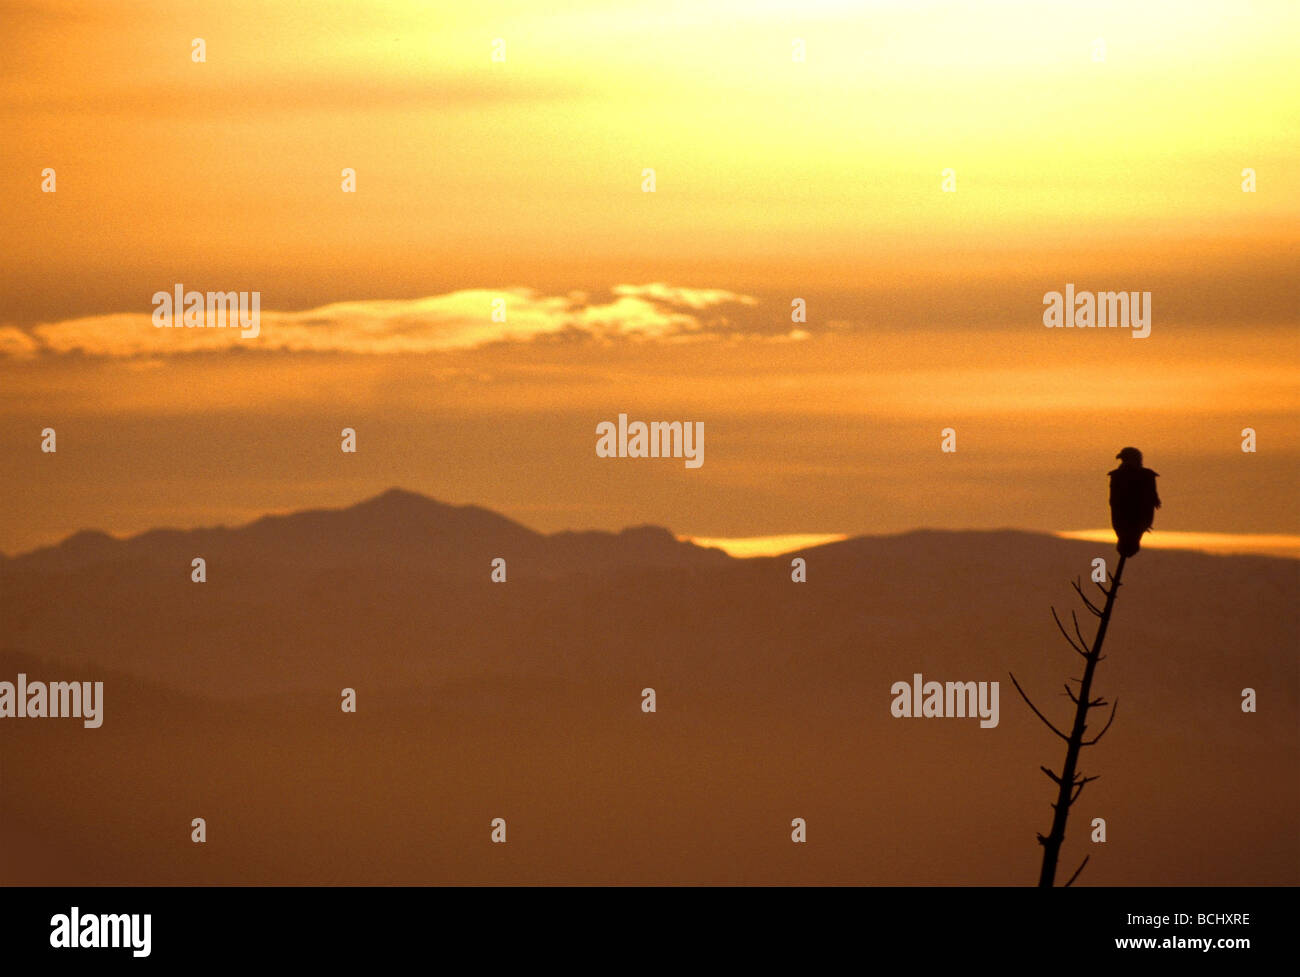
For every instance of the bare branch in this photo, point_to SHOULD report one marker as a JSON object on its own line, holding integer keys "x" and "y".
{"x": 1084, "y": 597}
{"x": 1078, "y": 870}
{"x": 1078, "y": 788}
{"x": 1070, "y": 783}
{"x": 1066, "y": 635}
{"x": 1082, "y": 640}
{"x": 1045, "y": 720}
{"x": 1113, "y": 707}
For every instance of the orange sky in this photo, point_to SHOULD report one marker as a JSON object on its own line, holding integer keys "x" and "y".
{"x": 775, "y": 178}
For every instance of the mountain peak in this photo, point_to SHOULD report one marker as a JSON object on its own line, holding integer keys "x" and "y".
{"x": 396, "y": 496}
{"x": 88, "y": 539}
{"x": 648, "y": 531}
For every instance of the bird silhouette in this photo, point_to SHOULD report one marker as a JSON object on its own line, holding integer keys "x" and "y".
{"x": 1133, "y": 501}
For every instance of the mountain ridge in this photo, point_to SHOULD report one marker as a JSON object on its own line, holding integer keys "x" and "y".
{"x": 416, "y": 528}
{"x": 398, "y": 528}
{"x": 773, "y": 699}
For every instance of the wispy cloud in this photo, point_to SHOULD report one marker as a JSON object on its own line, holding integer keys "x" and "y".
{"x": 15, "y": 342}
{"x": 693, "y": 298}
{"x": 453, "y": 321}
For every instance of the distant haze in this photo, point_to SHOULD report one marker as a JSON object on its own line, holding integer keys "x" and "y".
{"x": 522, "y": 700}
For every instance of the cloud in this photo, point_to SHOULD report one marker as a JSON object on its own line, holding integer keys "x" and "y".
{"x": 455, "y": 321}
{"x": 15, "y": 342}
{"x": 693, "y": 298}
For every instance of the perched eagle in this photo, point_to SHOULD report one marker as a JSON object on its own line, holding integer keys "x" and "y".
{"x": 1133, "y": 500}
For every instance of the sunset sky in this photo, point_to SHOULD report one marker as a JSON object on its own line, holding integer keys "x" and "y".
{"x": 775, "y": 178}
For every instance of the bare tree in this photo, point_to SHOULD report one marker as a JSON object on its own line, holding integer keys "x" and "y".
{"x": 1069, "y": 784}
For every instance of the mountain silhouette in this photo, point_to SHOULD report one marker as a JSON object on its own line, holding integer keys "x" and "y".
{"x": 523, "y": 700}
{"x": 399, "y": 529}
